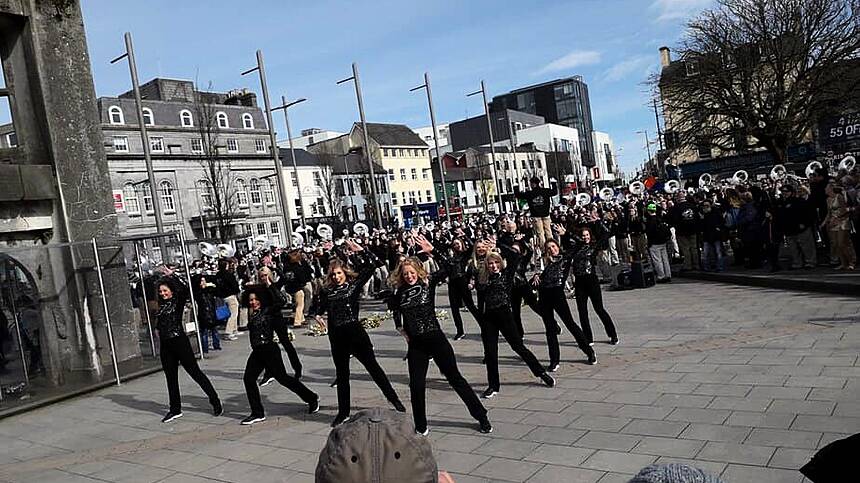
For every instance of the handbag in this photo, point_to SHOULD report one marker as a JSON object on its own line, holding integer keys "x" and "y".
{"x": 222, "y": 311}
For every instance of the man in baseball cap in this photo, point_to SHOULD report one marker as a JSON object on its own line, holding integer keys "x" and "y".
{"x": 378, "y": 446}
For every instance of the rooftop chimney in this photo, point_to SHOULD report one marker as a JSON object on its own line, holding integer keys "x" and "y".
{"x": 665, "y": 56}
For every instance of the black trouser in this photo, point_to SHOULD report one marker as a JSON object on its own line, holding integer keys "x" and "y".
{"x": 437, "y": 347}
{"x": 588, "y": 287}
{"x": 522, "y": 291}
{"x": 460, "y": 296}
{"x": 284, "y": 336}
{"x": 176, "y": 351}
{"x": 352, "y": 339}
{"x": 501, "y": 320}
{"x": 268, "y": 357}
{"x": 554, "y": 300}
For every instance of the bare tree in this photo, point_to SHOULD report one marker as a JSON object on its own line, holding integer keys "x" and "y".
{"x": 219, "y": 191}
{"x": 760, "y": 73}
{"x": 327, "y": 160}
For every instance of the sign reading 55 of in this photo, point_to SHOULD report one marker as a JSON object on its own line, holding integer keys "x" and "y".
{"x": 841, "y": 128}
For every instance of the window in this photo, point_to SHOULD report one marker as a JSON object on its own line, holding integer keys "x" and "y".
{"x": 362, "y": 186}
{"x": 425, "y": 173}
{"x": 402, "y": 152}
{"x": 403, "y": 174}
{"x": 255, "y": 192}
{"x": 692, "y": 67}
{"x": 538, "y": 164}
{"x": 390, "y": 175}
{"x": 351, "y": 187}
{"x": 294, "y": 179}
{"x": 261, "y": 228}
{"x": 222, "y": 120}
{"x": 132, "y": 206}
{"x": 12, "y": 140}
{"x": 115, "y": 115}
{"x": 703, "y": 146}
{"x": 247, "y": 121}
{"x": 274, "y": 228}
{"x": 268, "y": 192}
{"x": 165, "y": 191}
{"x": 147, "y": 199}
{"x": 412, "y": 197}
{"x": 317, "y": 179}
{"x": 392, "y": 152}
{"x": 299, "y": 208}
{"x": 429, "y": 195}
{"x": 340, "y": 187}
{"x": 232, "y": 145}
{"x": 120, "y": 144}
{"x": 414, "y": 173}
{"x": 241, "y": 193}
{"x": 320, "y": 206}
{"x": 260, "y": 145}
{"x": 156, "y": 144}
{"x": 394, "y": 198}
{"x": 148, "y": 117}
{"x": 204, "y": 188}
{"x": 196, "y": 146}
{"x": 186, "y": 118}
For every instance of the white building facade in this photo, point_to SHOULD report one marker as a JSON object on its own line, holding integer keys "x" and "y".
{"x": 606, "y": 168}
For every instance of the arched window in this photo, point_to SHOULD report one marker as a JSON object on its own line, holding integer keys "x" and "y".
{"x": 268, "y": 192}
{"x": 247, "y": 121}
{"x": 204, "y": 188}
{"x": 241, "y": 193}
{"x": 186, "y": 118}
{"x": 223, "y": 122}
{"x": 132, "y": 206}
{"x": 165, "y": 192}
{"x": 255, "y": 191}
{"x": 115, "y": 115}
{"x": 148, "y": 117}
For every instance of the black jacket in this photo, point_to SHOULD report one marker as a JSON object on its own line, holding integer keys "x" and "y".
{"x": 495, "y": 293}
{"x": 169, "y": 318}
{"x": 539, "y": 200}
{"x": 414, "y": 307}
{"x": 227, "y": 284}
{"x": 261, "y": 324}
{"x": 296, "y": 276}
{"x": 341, "y": 302}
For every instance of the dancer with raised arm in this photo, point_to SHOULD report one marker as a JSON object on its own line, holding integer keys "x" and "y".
{"x": 340, "y": 299}
{"x": 495, "y": 284}
{"x": 265, "y": 353}
{"x": 587, "y": 286}
{"x": 551, "y": 296}
{"x": 176, "y": 348}
{"x": 414, "y": 307}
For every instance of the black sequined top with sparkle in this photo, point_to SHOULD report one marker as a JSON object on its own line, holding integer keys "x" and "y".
{"x": 341, "y": 302}
{"x": 261, "y": 324}
{"x": 169, "y": 319}
{"x": 414, "y": 306}
{"x": 496, "y": 292}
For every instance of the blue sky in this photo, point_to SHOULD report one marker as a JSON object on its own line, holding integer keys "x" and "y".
{"x": 308, "y": 46}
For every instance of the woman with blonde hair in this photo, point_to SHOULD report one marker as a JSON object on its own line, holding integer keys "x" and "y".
{"x": 414, "y": 306}
{"x": 838, "y": 225}
{"x": 495, "y": 284}
{"x": 340, "y": 298}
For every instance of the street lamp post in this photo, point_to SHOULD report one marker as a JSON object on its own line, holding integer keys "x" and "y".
{"x": 483, "y": 93}
{"x": 144, "y": 137}
{"x": 284, "y": 107}
{"x": 282, "y": 189}
{"x": 366, "y": 138}
{"x": 426, "y": 87}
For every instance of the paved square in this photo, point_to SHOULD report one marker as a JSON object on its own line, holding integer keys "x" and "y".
{"x": 735, "y": 380}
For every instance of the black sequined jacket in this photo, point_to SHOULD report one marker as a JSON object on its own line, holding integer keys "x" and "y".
{"x": 341, "y": 302}
{"x": 496, "y": 292}
{"x": 414, "y": 306}
{"x": 169, "y": 321}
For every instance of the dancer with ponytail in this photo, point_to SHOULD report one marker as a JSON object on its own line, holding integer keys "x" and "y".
{"x": 414, "y": 307}
{"x": 551, "y": 297}
{"x": 495, "y": 284}
{"x": 176, "y": 348}
{"x": 340, "y": 299}
{"x": 264, "y": 302}
{"x": 459, "y": 293}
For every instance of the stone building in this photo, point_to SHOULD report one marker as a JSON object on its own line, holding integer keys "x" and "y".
{"x": 176, "y": 115}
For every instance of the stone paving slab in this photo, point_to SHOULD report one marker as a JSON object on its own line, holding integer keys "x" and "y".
{"x": 734, "y": 380}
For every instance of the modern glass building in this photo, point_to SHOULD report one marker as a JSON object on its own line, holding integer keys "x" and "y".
{"x": 562, "y": 101}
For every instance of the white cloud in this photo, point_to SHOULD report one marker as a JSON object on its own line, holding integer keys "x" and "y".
{"x": 571, "y": 60}
{"x": 678, "y": 9}
{"x": 633, "y": 65}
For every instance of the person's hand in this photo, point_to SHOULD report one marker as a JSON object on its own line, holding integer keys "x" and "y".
{"x": 444, "y": 477}
{"x": 519, "y": 236}
{"x": 536, "y": 280}
{"x": 559, "y": 229}
{"x": 404, "y": 334}
{"x": 425, "y": 245}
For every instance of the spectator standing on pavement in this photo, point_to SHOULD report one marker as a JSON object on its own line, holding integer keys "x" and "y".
{"x": 658, "y": 234}
{"x": 837, "y": 223}
{"x": 297, "y": 275}
{"x": 796, "y": 220}
{"x": 685, "y": 218}
{"x": 228, "y": 289}
{"x": 714, "y": 233}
